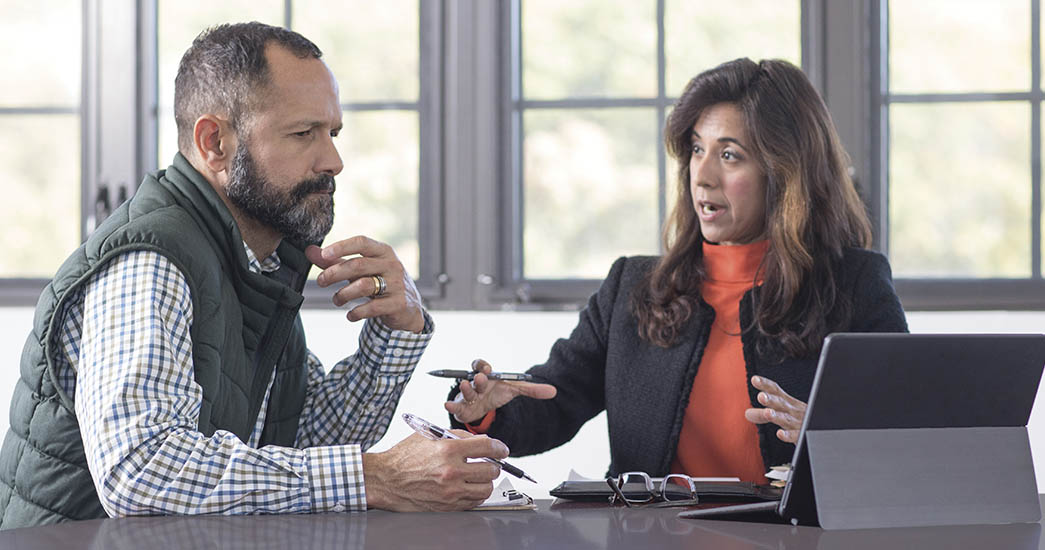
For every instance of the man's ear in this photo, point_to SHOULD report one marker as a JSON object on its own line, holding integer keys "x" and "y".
{"x": 215, "y": 142}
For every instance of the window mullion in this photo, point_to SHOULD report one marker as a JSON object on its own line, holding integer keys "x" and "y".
{"x": 431, "y": 223}
{"x": 147, "y": 91}
{"x": 1035, "y": 138}
{"x": 112, "y": 132}
{"x": 471, "y": 151}
{"x": 662, "y": 176}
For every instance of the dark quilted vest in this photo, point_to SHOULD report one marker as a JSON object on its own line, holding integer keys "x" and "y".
{"x": 244, "y": 325}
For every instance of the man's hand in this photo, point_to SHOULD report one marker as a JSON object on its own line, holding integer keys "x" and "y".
{"x": 419, "y": 474}
{"x": 780, "y": 409}
{"x": 483, "y": 395}
{"x": 399, "y": 307}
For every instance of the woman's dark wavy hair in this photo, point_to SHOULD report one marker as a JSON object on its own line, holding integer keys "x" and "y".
{"x": 812, "y": 210}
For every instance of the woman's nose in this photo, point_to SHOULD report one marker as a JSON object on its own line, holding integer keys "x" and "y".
{"x": 703, "y": 173}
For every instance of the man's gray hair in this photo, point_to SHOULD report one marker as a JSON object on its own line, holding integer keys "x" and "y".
{"x": 224, "y": 72}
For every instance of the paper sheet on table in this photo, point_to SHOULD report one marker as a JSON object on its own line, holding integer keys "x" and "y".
{"x": 779, "y": 473}
{"x": 574, "y": 476}
{"x": 505, "y": 497}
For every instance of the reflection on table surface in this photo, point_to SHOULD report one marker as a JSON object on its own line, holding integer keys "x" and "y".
{"x": 551, "y": 527}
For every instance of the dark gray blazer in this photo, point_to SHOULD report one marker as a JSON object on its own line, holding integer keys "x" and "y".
{"x": 644, "y": 389}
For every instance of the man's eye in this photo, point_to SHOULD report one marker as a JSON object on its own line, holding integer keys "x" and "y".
{"x": 305, "y": 133}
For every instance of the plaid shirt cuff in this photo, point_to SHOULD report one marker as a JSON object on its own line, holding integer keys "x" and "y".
{"x": 336, "y": 477}
{"x": 393, "y": 352}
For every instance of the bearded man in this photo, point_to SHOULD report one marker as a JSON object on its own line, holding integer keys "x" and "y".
{"x": 167, "y": 371}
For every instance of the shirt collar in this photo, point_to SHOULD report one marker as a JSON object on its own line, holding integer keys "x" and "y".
{"x": 268, "y": 265}
{"x": 736, "y": 263}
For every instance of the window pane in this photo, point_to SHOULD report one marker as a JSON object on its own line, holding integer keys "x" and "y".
{"x": 178, "y": 23}
{"x": 377, "y": 191}
{"x": 168, "y": 139}
{"x": 701, "y": 35}
{"x": 959, "y": 46}
{"x": 583, "y": 48}
{"x": 41, "y": 42}
{"x": 959, "y": 190}
{"x": 41, "y": 207}
{"x": 590, "y": 190}
{"x": 372, "y": 47}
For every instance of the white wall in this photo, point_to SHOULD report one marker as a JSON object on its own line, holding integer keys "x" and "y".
{"x": 514, "y": 341}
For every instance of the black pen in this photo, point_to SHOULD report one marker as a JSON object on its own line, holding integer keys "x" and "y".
{"x": 431, "y": 431}
{"x": 470, "y": 374}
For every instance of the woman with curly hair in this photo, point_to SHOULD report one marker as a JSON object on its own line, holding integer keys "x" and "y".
{"x": 703, "y": 357}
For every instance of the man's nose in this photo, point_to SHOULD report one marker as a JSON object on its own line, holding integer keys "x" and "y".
{"x": 329, "y": 161}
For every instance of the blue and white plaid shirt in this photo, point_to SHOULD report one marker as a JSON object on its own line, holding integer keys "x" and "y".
{"x": 128, "y": 362}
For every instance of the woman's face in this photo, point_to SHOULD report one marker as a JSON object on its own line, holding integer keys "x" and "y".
{"x": 725, "y": 179}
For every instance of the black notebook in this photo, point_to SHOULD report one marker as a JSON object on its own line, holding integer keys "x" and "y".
{"x": 707, "y": 491}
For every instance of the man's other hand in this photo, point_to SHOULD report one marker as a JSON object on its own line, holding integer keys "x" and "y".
{"x": 419, "y": 474}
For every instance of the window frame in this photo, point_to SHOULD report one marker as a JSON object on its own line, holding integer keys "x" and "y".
{"x": 503, "y": 284}
{"x": 430, "y": 151}
{"x": 956, "y": 293}
{"x": 23, "y": 291}
{"x": 470, "y": 201}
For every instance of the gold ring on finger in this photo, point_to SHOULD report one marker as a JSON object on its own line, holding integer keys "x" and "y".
{"x": 380, "y": 286}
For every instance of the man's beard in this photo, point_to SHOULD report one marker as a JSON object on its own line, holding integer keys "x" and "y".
{"x": 296, "y": 214}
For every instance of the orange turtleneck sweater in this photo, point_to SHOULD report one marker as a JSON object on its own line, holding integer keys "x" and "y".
{"x": 716, "y": 439}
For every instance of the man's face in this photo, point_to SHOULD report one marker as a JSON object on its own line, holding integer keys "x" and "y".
{"x": 282, "y": 173}
{"x": 303, "y": 213}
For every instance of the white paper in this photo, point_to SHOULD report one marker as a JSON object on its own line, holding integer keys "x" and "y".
{"x": 574, "y": 476}
{"x": 505, "y": 495}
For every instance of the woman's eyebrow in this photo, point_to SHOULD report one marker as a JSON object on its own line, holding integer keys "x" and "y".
{"x": 724, "y": 139}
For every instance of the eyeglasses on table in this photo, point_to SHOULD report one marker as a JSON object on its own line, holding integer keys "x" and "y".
{"x": 637, "y": 489}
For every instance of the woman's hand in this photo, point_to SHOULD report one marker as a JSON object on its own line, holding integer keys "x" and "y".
{"x": 483, "y": 395}
{"x": 780, "y": 409}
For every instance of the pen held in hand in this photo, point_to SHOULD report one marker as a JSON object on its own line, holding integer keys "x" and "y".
{"x": 470, "y": 375}
{"x": 431, "y": 431}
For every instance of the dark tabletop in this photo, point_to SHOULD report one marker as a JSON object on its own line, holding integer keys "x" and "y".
{"x": 550, "y": 527}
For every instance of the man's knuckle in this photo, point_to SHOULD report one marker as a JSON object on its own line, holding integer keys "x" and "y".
{"x": 447, "y": 476}
{"x": 444, "y": 452}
